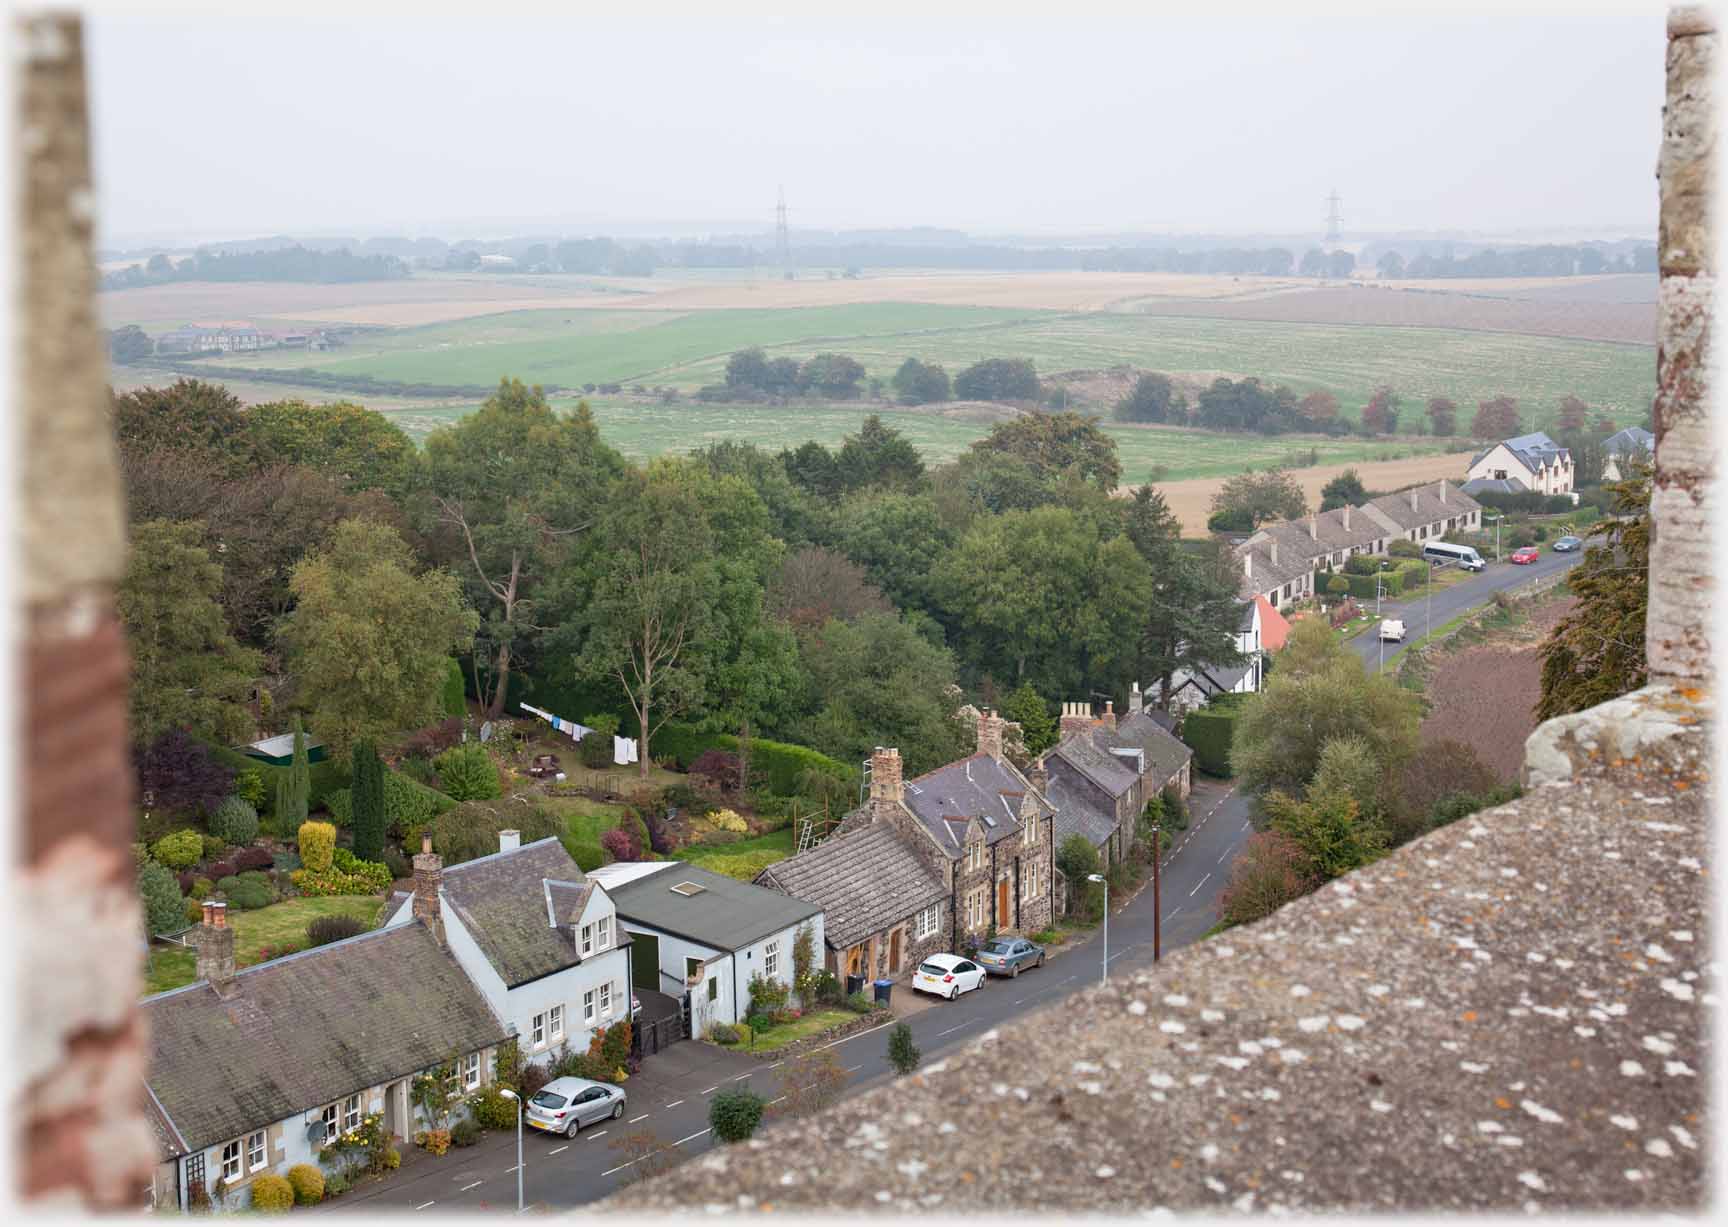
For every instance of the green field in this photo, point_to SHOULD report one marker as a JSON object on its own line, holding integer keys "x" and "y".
{"x": 574, "y": 347}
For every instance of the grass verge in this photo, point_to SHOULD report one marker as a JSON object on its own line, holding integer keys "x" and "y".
{"x": 743, "y": 859}
{"x": 802, "y": 1028}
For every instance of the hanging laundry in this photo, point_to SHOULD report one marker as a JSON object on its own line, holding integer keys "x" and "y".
{"x": 620, "y": 751}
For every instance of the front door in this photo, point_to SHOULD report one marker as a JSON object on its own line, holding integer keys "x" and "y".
{"x": 855, "y": 961}
{"x": 894, "y": 951}
{"x": 392, "y": 1114}
{"x": 645, "y": 961}
{"x": 1002, "y": 904}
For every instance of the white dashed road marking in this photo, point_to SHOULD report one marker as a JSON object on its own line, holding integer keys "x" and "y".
{"x": 710, "y": 1090}
{"x": 475, "y": 1185}
{"x": 424, "y": 1204}
{"x": 951, "y": 1030}
{"x": 674, "y": 1103}
{"x": 1199, "y": 884}
{"x": 634, "y": 1119}
{"x": 560, "y": 1150}
{"x": 739, "y": 1078}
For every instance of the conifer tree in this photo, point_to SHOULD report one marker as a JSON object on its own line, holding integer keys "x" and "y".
{"x": 368, "y": 796}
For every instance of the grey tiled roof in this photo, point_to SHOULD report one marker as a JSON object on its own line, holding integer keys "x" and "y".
{"x": 980, "y": 786}
{"x": 1429, "y": 508}
{"x": 1632, "y": 439}
{"x": 501, "y": 899}
{"x": 1162, "y": 749}
{"x": 1078, "y": 811}
{"x": 1493, "y": 485}
{"x": 863, "y": 881}
{"x": 726, "y": 914}
{"x": 309, "y": 1029}
{"x": 1085, "y": 754}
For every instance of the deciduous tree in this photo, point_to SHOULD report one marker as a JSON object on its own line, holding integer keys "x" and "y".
{"x": 1260, "y": 497}
{"x": 1319, "y": 406}
{"x": 1153, "y": 399}
{"x": 356, "y": 447}
{"x": 816, "y": 584}
{"x": 921, "y": 383}
{"x": 1001, "y": 379}
{"x": 1027, "y": 708}
{"x": 1442, "y": 415}
{"x": 1574, "y": 413}
{"x": 1344, "y": 490}
{"x": 1496, "y": 418}
{"x": 878, "y": 456}
{"x": 1054, "y": 444}
{"x": 1380, "y": 414}
{"x": 188, "y": 415}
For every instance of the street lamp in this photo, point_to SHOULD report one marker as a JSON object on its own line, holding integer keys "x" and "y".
{"x": 1496, "y": 523}
{"x": 1098, "y": 877}
{"x": 510, "y": 1094}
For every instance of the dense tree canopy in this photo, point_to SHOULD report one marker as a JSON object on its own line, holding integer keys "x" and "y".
{"x": 1260, "y": 497}
{"x": 1153, "y": 399}
{"x": 921, "y": 383}
{"x": 1052, "y": 445}
{"x": 1344, "y": 490}
{"x": 1002, "y": 379}
{"x": 359, "y": 449}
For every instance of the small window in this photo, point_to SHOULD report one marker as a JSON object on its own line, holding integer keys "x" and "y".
{"x": 588, "y": 1008}
{"x": 928, "y": 920}
{"x": 771, "y": 960}
{"x": 539, "y": 1029}
{"x": 256, "y": 1152}
{"x": 603, "y": 932}
{"x": 351, "y": 1112}
{"x": 605, "y": 1001}
{"x": 331, "y": 1118}
{"x": 713, "y": 988}
{"x": 587, "y": 940}
{"x": 555, "y": 1022}
{"x": 471, "y": 1071}
{"x": 231, "y": 1161}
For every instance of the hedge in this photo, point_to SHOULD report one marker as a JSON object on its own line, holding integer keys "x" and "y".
{"x": 326, "y": 777}
{"x": 1209, "y": 732}
{"x": 1362, "y": 586}
{"x": 781, "y": 761}
{"x": 409, "y": 805}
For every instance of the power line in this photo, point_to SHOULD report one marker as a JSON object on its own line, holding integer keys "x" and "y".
{"x": 783, "y": 237}
{"x": 1334, "y": 218}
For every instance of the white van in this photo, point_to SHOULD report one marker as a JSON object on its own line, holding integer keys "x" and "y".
{"x": 1463, "y": 555}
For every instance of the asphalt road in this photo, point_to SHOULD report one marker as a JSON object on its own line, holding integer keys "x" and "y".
{"x": 671, "y": 1094}
{"x": 563, "y": 1172}
{"x": 1448, "y": 603}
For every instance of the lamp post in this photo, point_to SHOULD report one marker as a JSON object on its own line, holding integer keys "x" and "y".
{"x": 506, "y": 1091}
{"x": 1098, "y": 877}
{"x": 1496, "y": 522}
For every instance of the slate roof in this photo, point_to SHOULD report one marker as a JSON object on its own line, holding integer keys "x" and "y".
{"x": 726, "y": 914}
{"x": 1494, "y": 485}
{"x": 501, "y": 899}
{"x": 1163, "y": 751}
{"x": 1632, "y": 439}
{"x": 1429, "y": 508}
{"x": 863, "y": 881}
{"x": 979, "y": 786}
{"x": 1532, "y": 450}
{"x": 1267, "y": 576}
{"x": 1078, "y": 811}
{"x": 1083, "y": 752}
{"x": 303, "y": 1031}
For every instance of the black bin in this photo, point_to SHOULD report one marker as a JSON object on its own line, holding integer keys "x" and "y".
{"x": 854, "y": 984}
{"x": 884, "y": 991}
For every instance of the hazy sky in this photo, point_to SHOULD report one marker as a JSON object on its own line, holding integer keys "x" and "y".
{"x": 239, "y": 121}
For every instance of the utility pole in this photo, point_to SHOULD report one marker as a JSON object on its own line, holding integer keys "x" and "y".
{"x": 783, "y": 237}
{"x": 1334, "y": 218}
{"x": 1157, "y": 906}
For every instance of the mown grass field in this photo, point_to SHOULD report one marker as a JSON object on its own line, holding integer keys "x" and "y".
{"x": 571, "y": 347}
{"x": 274, "y": 928}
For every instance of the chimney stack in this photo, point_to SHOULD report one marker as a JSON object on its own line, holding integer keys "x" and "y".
{"x": 886, "y": 789}
{"x": 509, "y": 841}
{"x": 1109, "y": 716}
{"x": 1314, "y": 526}
{"x": 1346, "y": 517}
{"x": 1414, "y": 490}
{"x": 428, "y": 875}
{"x": 1442, "y": 489}
{"x": 1135, "y": 701}
{"x": 1273, "y": 547}
{"x": 1039, "y": 776}
{"x": 990, "y": 734}
{"x": 1076, "y": 718}
{"x": 215, "y": 941}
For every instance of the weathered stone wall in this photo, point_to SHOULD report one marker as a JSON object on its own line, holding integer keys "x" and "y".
{"x": 82, "y": 1141}
{"x": 1683, "y": 504}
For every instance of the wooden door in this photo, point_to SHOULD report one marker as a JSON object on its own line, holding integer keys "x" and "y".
{"x": 894, "y": 951}
{"x": 1002, "y": 904}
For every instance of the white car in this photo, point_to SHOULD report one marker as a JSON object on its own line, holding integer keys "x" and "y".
{"x": 947, "y": 975}
{"x": 1391, "y": 631}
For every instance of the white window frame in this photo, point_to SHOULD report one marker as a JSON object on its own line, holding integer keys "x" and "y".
{"x": 231, "y": 1164}
{"x": 555, "y": 1022}
{"x": 537, "y": 1031}
{"x": 351, "y": 1113}
{"x": 929, "y": 920}
{"x": 471, "y": 1071}
{"x": 606, "y": 1000}
{"x": 603, "y": 933}
{"x": 262, "y": 1150}
{"x": 587, "y": 940}
{"x": 588, "y": 1008}
{"x": 771, "y": 959}
{"x": 332, "y": 1117}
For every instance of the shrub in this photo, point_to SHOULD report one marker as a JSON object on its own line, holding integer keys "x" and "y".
{"x": 1270, "y": 871}
{"x": 307, "y": 1183}
{"x": 659, "y": 834}
{"x": 860, "y": 1002}
{"x": 825, "y": 988}
{"x": 1209, "y": 732}
{"x": 249, "y": 787}
{"x": 434, "y": 739}
{"x": 534, "y": 1076}
{"x": 250, "y": 896}
{"x": 392, "y": 1158}
{"x": 734, "y": 1115}
{"x": 434, "y": 1141}
{"x": 341, "y": 806}
{"x": 317, "y": 845}
{"x": 228, "y": 883}
{"x": 410, "y": 805}
{"x": 455, "y": 692}
{"x": 903, "y": 1054}
{"x": 720, "y": 769}
{"x": 767, "y": 996}
{"x": 470, "y": 830}
{"x": 337, "y": 1184}
{"x": 723, "y": 1033}
{"x": 492, "y": 1109}
{"x": 223, "y": 869}
{"x": 466, "y": 1132}
{"x": 214, "y": 846}
{"x": 323, "y": 930}
{"x": 161, "y": 895}
{"x": 254, "y": 858}
{"x": 621, "y": 845}
{"x": 179, "y": 849}
{"x": 396, "y": 863}
{"x": 467, "y": 773}
{"x": 194, "y": 910}
{"x": 1044, "y": 937}
{"x": 1404, "y": 548}
{"x": 366, "y": 878}
{"x": 235, "y": 820}
{"x": 595, "y": 749}
{"x": 585, "y": 853}
{"x": 729, "y": 820}
{"x": 272, "y": 1194}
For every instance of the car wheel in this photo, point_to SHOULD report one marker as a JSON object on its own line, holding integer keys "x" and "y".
{"x": 1040, "y": 961}
{"x": 1014, "y": 972}
{"x": 955, "y": 991}
{"x": 574, "y": 1127}
{"x": 618, "y": 1109}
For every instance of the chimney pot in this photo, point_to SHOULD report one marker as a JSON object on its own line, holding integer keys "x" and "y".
{"x": 509, "y": 841}
{"x": 215, "y": 945}
{"x": 426, "y": 842}
{"x": 886, "y": 786}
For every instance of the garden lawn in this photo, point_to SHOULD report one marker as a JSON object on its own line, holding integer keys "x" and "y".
{"x": 279, "y": 928}
{"x": 810, "y": 1024}
{"x": 744, "y": 859}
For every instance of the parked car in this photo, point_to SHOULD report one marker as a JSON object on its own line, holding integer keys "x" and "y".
{"x": 947, "y": 975}
{"x": 1567, "y": 544}
{"x": 1007, "y": 956}
{"x": 564, "y": 1105}
{"x": 1528, "y": 554}
{"x": 1391, "y": 631}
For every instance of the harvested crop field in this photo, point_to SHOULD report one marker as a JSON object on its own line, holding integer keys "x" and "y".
{"x": 1192, "y": 500}
{"x": 1485, "y": 694}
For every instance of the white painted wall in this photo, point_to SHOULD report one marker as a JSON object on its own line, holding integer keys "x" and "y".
{"x": 673, "y": 951}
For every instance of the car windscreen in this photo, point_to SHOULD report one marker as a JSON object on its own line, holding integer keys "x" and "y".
{"x": 997, "y": 945}
{"x": 933, "y": 969}
{"x": 546, "y": 1099}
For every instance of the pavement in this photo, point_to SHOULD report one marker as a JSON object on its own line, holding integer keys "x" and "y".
{"x": 1422, "y": 614}
{"x": 670, "y": 1096}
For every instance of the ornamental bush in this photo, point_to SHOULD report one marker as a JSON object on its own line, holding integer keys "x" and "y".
{"x": 465, "y": 1132}
{"x": 254, "y": 858}
{"x": 271, "y": 1194}
{"x": 621, "y": 844}
{"x": 734, "y": 1115}
{"x": 214, "y": 846}
{"x": 492, "y": 1110}
{"x": 179, "y": 849}
{"x": 250, "y": 896}
{"x": 723, "y": 1033}
{"x": 341, "y": 806}
{"x": 236, "y": 821}
{"x": 1404, "y": 548}
{"x": 323, "y": 930}
{"x": 163, "y": 911}
{"x": 249, "y": 787}
{"x": 307, "y": 1183}
{"x": 729, "y": 820}
{"x": 317, "y": 845}
{"x": 468, "y": 773}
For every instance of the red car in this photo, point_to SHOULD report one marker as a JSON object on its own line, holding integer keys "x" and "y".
{"x": 1528, "y": 554}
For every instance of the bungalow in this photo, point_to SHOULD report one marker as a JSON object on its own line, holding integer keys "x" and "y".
{"x": 701, "y": 935}
{"x": 256, "y": 1070}
{"x": 1535, "y": 461}
{"x": 536, "y": 936}
{"x": 1617, "y": 449}
{"x": 1428, "y": 513}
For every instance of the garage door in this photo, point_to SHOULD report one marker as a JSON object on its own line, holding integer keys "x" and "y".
{"x": 645, "y": 961}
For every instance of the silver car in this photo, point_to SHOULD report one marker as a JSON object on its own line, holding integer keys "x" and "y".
{"x": 564, "y": 1105}
{"x": 1007, "y": 956}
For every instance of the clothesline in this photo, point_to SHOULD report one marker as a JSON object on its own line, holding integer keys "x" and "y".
{"x": 624, "y": 749}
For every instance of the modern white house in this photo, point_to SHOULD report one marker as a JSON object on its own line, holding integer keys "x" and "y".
{"x": 1534, "y": 461}
{"x": 1260, "y": 632}
{"x": 539, "y": 939}
{"x": 702, "y": 933}
{"x": 1632, "y": 443}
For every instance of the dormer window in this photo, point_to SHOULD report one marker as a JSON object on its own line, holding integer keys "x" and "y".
{"x": 587, "y": 942}
{"x": 975, "y": 854}
{"x": 603, "y": 933}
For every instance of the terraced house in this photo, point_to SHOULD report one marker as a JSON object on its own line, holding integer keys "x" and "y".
{"x": 1101, "y": 772}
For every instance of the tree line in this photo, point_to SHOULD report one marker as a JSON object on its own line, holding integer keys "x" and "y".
{"x": 280, "y": 264}
{"x": 309, "y": 558}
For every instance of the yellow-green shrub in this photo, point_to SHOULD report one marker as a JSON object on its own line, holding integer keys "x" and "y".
{"x": 308, "y": 1184}
{"x": 728, "y": 820}
{"x": 272, "y": 1194}
{"x": 317, "y": 845}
